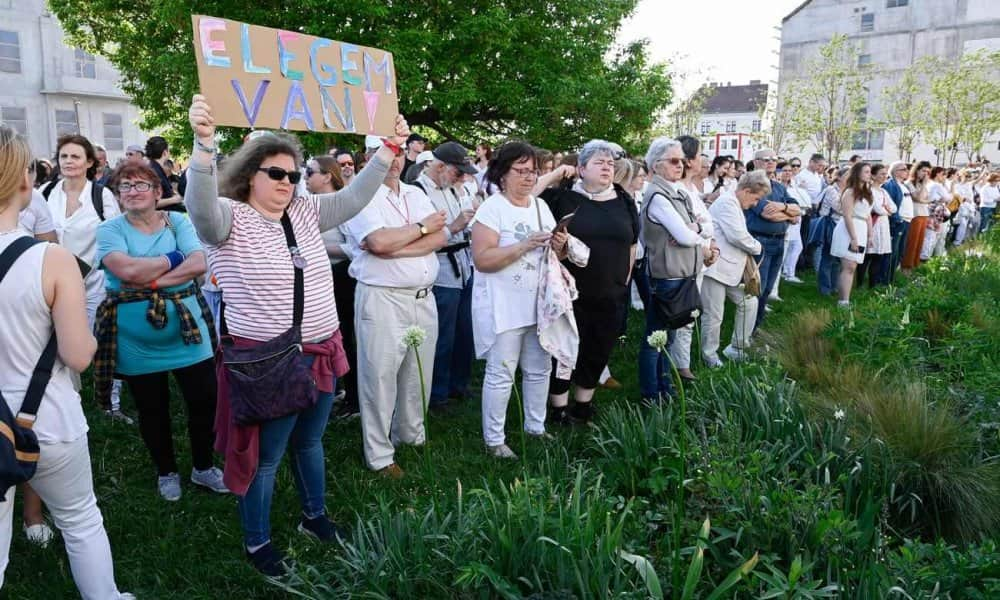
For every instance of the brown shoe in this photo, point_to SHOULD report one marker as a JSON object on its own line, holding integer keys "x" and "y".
{"x": 391, "y": 472}
{"x": 612, "y": 384}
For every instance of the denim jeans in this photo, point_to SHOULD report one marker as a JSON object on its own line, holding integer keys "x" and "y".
{"x": 214, "y": 301}
{"x": 453, "y": 351}
{"x": 898, "y": 232}
{"x": 655, "y": 374}
{"x": 986, "y": 217}
{"x": 826, "y": 276}
{"x": 305, "y": 431}
{"x": 769, "y": 262}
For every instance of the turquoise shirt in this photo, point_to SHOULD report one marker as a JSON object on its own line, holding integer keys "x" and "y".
{"x": 141, "y": 348}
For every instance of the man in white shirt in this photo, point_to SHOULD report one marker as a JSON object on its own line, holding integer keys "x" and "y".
{"x": 397, "y": 235}
{"x": 811, "y": 178}
{"x": 899, "y": 223}
{"x": 988, "y": 197}
{"x": 441, "y": 180}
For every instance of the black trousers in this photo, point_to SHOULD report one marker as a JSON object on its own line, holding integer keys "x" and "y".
{"x": 599, "y": 321}
{"x": 151, "y": 393}
{"x": 343, "y": 294}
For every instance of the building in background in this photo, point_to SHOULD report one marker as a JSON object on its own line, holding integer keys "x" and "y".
{"x": 891, "y": 34}
{"x": 48, "y": 88}
{"x": 730, "y": 118}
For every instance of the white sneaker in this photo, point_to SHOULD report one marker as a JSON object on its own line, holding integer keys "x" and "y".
{"x": 126, "y": 596}
{"x": 39, "y": 534}
{"x": 713, "y": 362}
{"x": 768, "y": 309}
{"x": 734, "y": 354}
{"x": 500, "y": 451}
{"x": 210, "y": 479}
{"x": 774, "y": 298}
{"x": 793, "y": 279}
{"x": 170, "y": 487}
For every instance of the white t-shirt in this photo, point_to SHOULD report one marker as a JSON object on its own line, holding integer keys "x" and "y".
{"x": 36, "y": 218}
{"x": 811, "y": 183}
{"x": 936, "y": 192}
{"x": 906, "y": 206}
{"x": 989, "y": 195}
{"x": 507, "y": 299}
{"x": 387, "y": 209}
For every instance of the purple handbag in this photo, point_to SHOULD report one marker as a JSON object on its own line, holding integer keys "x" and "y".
{"x": 272, "y": 379}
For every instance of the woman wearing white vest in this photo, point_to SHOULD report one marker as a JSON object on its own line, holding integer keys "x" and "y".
{"x": 723, "y": 279}
{"x": 42, "y": 294}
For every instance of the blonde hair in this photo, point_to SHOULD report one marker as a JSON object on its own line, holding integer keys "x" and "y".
{"x": 15, "y": 157}
{"x": 624, "y": 171}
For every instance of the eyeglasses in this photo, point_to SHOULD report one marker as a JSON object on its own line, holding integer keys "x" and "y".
{"x": 674, "y": 161}
{"x": 277, "y": 174}
{"x": 311, "y": 171}
{"x": 525, "y": 172}
{"x": 349, "y": 163}
{"x": 796, "y": 166}
{"x": 769, "y": 159}
{"x": 139, "y": 186}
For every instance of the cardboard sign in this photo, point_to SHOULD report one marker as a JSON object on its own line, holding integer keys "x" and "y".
{"x": 270, "y": 78}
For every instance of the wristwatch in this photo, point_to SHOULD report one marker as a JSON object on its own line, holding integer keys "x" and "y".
{"x": 423, "y": 229}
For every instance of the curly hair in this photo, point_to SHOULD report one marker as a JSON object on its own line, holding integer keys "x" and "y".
{"x": 240, "y": 168}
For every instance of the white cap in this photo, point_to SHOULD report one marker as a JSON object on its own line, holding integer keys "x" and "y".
{"x": 425, "y": 156}
{"x": 373, "y": 142}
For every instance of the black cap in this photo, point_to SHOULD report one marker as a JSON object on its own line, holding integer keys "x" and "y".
{"x": 453, "y": 153}
{"x": 415, "y": 137}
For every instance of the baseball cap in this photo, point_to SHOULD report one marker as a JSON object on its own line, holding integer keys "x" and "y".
{"x": 453, "y": 153}
{"x": 425, "y": 156}
{"x": 136, "y": 148}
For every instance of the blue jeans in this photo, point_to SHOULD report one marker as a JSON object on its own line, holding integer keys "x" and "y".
{"x": 214, "y": 301}
{"x": 655, "y": 374}
{"x": 453, "y": 351}
{"x": 769, "y": 262}
{"x": 898, "y": 231}
{"x": 305, "y": 430}
{"x": 985, "y": 218}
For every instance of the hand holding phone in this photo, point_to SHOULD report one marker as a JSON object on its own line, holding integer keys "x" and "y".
{"x": 563, "y": 223}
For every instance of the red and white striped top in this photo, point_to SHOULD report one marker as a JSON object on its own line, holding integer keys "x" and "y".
{"x": 254, "y": 270}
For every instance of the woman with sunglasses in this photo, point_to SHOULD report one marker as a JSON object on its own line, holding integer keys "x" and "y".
{"x": 239, "y": 218}
{"x": 155, "y": 322}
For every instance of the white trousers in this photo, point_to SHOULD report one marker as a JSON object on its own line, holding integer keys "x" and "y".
{"x": 713, "y": 300}
{"x": 941, "y": 245}
{"x": 781, "y": 262}
{"x": 389, "y": 390}
{"x": 65, "y": 484}
{"x": 793, "y": 248}
{"x": 511, "y": 349}
{"x": 680, "y": 349}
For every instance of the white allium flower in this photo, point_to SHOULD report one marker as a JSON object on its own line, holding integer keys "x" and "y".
{"x": 906, "y": 318}
{"x": 414, "y": 336}
{"x": 839, "y": 414}
{"x": 658, "y": 339}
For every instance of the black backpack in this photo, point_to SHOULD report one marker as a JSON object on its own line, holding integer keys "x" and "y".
{"x": 96, "y": 195}
{"x": 18, "y": 443}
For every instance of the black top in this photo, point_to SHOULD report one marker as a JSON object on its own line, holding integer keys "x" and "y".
{"x": 167, "y": 188}
{"x": 609, "y": 229}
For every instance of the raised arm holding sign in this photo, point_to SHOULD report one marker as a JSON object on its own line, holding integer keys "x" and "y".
{"x": 270, "y": 78}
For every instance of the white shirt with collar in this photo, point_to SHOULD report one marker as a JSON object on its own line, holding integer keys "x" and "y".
{"x": 387, "y": 210}
{"x": 449, "y": 199}
{"x": 811, "y": 182}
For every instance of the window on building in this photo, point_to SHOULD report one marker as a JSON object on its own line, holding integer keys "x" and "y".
{"x": 706, "y": 127}
{"x": 711, "y": 144}
{"x": 864, "y": 60}
{"x": 867, "y": 22}
{"x": 868, "y": 139}
{"x": 730, "y": 126}
{"x": 113, "y": 136}
{"x": 10, "y": 52}
{"x": 896, "y": 3}
{"x": 755, "y": 126}
{"x": 16, "y": 117}
{"x": 66, "y": 122}
{"x": 86, "y": 64}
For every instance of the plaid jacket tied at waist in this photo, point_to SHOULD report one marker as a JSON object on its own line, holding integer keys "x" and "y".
{"x": 106, "y": 328}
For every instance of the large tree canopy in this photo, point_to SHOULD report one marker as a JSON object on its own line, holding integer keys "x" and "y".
{"x": 547, "y": 71}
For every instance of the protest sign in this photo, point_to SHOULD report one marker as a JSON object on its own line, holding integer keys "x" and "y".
{"x": 256, "y": 76}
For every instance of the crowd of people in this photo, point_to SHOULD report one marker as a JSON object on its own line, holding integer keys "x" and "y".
{"x": 281, "y": 292}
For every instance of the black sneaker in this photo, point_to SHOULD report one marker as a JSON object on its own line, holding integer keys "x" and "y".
{"x": 560, "y": 416}
{"x": 269, "y": 561}
{"x": 323, "y": 529}
{"x": 583, "y": 412}
{"x": 343, "y": 411}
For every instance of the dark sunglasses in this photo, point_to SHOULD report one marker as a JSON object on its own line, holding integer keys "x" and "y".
{"x": 277, "y": 174}
{"x": 674, "y": 161}
{"x": 796, "y": 166}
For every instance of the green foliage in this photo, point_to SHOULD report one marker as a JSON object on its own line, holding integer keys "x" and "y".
{"x": 481, "y": 69}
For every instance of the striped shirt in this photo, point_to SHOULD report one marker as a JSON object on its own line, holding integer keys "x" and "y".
{"x": 254, "y": 269}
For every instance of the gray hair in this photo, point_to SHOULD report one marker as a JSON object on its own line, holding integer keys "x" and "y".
{"x": 658, "y": 149}
{"x": 895, "y": 165}
{"x": 755, "y": 182}
{"x": 592, "y": 149}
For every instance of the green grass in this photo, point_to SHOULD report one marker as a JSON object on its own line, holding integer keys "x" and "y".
{"x": 775, "y": 475}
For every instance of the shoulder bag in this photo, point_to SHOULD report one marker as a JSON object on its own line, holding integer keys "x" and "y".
{"x": 270, "y": 380}
{"x": 18, "y": 442}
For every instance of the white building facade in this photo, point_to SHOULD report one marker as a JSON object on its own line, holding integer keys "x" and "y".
{"x": 48, "y": 89}
{"x": 891, "y": 35}
{"x": 731, "y": 120}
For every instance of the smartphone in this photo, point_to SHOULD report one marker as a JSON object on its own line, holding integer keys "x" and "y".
{"x": 861, "y": 249}
{"x": 563, "y": 223}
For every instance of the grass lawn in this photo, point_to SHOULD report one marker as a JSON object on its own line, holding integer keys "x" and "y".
{"x": 192, "y": 549}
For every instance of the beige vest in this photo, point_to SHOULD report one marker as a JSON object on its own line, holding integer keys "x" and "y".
{"x": 666, "y": 258}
